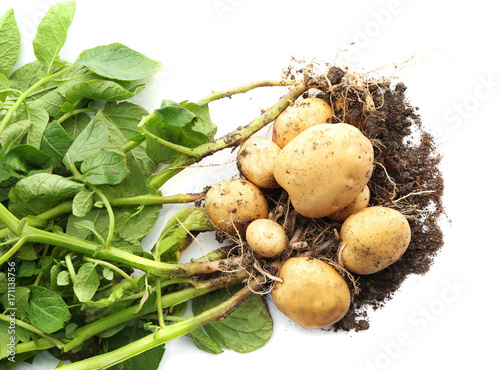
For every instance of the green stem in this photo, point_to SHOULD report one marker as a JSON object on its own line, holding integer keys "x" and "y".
{"x": 245, "y": 88}
{"x": 111, "y": 215}
{"x": 116, "y": 269}
{"x": 8, "y": 219}
{"x": 132, "y": 144}
{"x": 74, "y": 112}
{"x": 77, "y": 245}
{"x": 160, "y": 178}
{"x": 159, "y": 305}
{"x": 232, "y": 139}
{"x": 25, "y": 325}
{"x": 71, "y": 268}
{"x": 139, "y": 200}
{"x": 25, "y": 94}
{"x": 149, "y": 200}
{"x": 133, "y": 312}
{"x": 12, "y": 250}
{"x": 34, "y": 345}
{"x": 127, "y": 285}
{"x": 236, "y": 137}
{"x": 163, "y": 335}
{"x": 179, "y": 148}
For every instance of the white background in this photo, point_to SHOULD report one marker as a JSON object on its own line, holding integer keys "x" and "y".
{"x": 445, "y": 319}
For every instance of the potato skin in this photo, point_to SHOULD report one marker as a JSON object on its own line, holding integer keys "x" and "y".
{"x": 266, "y": 237}
{"x": 232, "y": 204}
{"x": 256, "y": 159}
{"x": 360, "y": 202}
{"x": 313, "y": 293}
{"x": 324, "y": 168}
{"x": 374, "y": 238}
{"x": 298, "y": 117}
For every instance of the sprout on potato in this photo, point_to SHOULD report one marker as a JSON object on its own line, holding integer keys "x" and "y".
{"x": 256, "y": 159}
{"x": 298, "y": 117}
{"x": 313, "y": 293}
{"x": 324, "y": 168}
{"x": 373, "y": 239}
{"x": 266, "y": 237}
{"x": 360, "y": 202}
{"x": 232, "y": 204}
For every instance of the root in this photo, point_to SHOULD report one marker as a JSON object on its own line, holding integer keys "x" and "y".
{"x": 391, "y": 181}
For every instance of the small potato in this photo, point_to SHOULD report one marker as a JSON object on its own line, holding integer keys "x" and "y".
{"x": 324, "y": 168}
{"x": 313, "y": 293}
{"x": 256, "y": 159}
{"x": 298, "y": 117}
{"x": 374, "y": 238}
{"x": 360, "y": 202}
{"x": 266, "y": 237}
{"x": 232, "y": 204}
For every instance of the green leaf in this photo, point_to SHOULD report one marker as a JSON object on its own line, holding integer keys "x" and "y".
{"x": 101, "y": 90}
{"x": 25, "y": 158}
{"x": 63, "y": 278}
{"x": 3, "y": 283}
{"x": 130, "y": 228}
{"x": 90, "y": 141}
{"x": 83, "y": 202}
{"x": 147, "y": 360}
{"x": 183, "y": 222}
{"x": 248, "y": 328}
{"x": 118, "y": 62}
{"x": 4, "y": 86}
{"x": 55, "y": 143}
{"x": 12, "y": 136}
{"x": 126, "y": 116}
{"x": 27, "y": 75}
{"x": 86, "y": 229}
{"x": 52, "y": 32}
{"x": 104, "y": 168}
{"x": 107, "y": 301}
{"x": 10, "y": 42}
{"x": 86, "y": 282}
{"x": 39, "y": 119}
{"x": 21, "y": 302}
{"x": 204, "y": 342}
{"x": 187, "y": 124}
{"x": 47, "y": 310}
{"x": 75, "y": 125}
{"x": 5, "y": 338}
{"x": 40, "y": 192}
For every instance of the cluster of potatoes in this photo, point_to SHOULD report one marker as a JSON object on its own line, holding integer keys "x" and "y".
{"x": 325, "y": 169}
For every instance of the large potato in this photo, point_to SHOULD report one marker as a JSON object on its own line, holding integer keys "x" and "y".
{"x": 232, "y": 204}
{"x": 256, "y": 159}
{"x": 313, "y": 294}
{"x": 298, "y": 117}
{"x": 374, "y": 238}
{"x": 360, "y": 202}
{"x": 325, "y": 168}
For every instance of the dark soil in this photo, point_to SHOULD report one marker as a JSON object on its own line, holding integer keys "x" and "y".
{"x": 406, "y": 177}
{"x": 413, "y": 165}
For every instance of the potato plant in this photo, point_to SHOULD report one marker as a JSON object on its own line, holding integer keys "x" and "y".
{"x": 79, "y": 192}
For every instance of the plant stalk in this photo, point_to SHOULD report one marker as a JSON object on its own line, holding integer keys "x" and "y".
{"x": 24, "y": 95}
{"x": 232, "y": 139}
{"x": 134, "y": 312}
{"x": 163, "y": 335}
